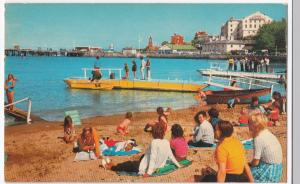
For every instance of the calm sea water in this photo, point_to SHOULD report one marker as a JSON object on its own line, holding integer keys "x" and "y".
{"x": 41, "y": 79}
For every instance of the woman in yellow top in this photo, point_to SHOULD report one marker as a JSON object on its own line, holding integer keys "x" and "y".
{"x": 230, "y": 158}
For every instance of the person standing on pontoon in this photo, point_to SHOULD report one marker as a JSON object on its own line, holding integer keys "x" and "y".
{"x": 143, "y": 65}
{"x": 235, "y": 63}
{"x": 242, "y": 64}
{"x": 148, "y": 64}
{"x": 230, "y": 63}
{"x": 267, "y": 63}
{"x": 134, "y": 68}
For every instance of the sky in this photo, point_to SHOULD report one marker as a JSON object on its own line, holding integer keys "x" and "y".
{"x": 68, "y": 25}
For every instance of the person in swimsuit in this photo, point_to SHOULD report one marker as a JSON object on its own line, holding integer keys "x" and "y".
{"x": 123, "y": 127}
{"x": 9, "y": 88}
{"x": 162, "y": 119}
{"x": 134, "y": 68}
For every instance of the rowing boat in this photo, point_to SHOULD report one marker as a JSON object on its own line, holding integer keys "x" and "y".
{"x": 222, "y": 97}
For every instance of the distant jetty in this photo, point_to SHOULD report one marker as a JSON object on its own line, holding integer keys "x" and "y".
{"x": 65, "y": 53}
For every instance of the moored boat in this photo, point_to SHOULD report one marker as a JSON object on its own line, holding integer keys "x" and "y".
{"x": 222, "y": 97}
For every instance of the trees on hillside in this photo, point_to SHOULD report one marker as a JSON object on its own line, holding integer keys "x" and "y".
{"x": 272, "y": 36}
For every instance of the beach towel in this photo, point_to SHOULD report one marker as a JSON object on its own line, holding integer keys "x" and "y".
{"x": 75, "y": 116}
{"x": 96, "y": 139}
{"x": 83, "y": 155}
{"x": 248, "y": 145}
{"x": 111, "y": 151}
{"x": 168, "y": 168}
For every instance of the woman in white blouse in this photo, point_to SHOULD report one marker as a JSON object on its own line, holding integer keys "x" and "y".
{"x": 267, "y": 157}
{"x": 157, "y": 154}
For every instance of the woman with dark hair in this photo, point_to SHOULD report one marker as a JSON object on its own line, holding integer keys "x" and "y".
{"x": 158, "y": 152}
{"x": 214, "y": 116}
{"x": 230, "y": 157}
{"x": 203, "y": 133}
{"x": 178, "y": 144}
{"x": 69, "y": 130}
{"x": 9, "y": 89}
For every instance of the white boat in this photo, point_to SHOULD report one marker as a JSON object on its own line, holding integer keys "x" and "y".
{"x": 217, "y": 71}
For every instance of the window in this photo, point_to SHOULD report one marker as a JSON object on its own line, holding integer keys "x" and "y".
{"x": 246, "y": 26}
{"x": 246, "y": 21}
{"x": 231, "y": 46}
{"x": 250, "y": 26}
{"x": 230, "y": 29}
{"x": 230, "y": 25}
{"x": 254, "y": 25}
{"x": 248, "y": 32}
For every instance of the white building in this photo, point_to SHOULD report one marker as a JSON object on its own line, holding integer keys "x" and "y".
{"x": 251, "y": 24}
{"x": 235, "y": 29}
{"x": 231, "y": 29}
{"x": 129, "y": 51}
{"x": 222, "y": 46}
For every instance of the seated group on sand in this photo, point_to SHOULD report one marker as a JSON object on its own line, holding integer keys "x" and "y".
{"x": 230, "y": 157}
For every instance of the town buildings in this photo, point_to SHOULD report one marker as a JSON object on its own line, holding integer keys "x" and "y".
{"x": 238, "y": 29}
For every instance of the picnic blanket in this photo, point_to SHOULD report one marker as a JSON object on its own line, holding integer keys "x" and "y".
{"x": 111, "y": 151}
{"x": 248, "y": 145}
{"x": 168, "y": 168}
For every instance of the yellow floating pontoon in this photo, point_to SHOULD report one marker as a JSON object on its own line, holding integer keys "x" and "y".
{"x": 155, "y": 85}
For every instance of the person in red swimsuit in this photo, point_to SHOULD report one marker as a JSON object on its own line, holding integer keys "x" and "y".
{"x": 122, "y": 128}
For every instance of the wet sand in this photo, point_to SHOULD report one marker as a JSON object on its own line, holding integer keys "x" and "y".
{"x": 35, "y": 153}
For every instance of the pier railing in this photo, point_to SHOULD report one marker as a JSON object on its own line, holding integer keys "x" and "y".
{"x": 241, "y": 80}
{"x": 109, "y": 70}
{"x": 28, "y": 120}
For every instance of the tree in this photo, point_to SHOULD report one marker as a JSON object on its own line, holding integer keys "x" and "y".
{"x": 272, "y": 36}
{"x": 164, "y": 43}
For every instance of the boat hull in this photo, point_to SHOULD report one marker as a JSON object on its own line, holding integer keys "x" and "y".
{"x": 239, "y": 74}
{"x": 222, "y": 97}
{"x": 133, "y": 84}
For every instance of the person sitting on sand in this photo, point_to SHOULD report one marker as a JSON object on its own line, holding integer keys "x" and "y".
{"x": 266, "y": 165}
{"x": 158, "y": 152}
{"x": 69, "y": 130}
{"x": 232, "y": 102}
{"x": 230, "y": 158}
{"x": 214, "y": 116}
{"x": 254, "y": 105}
{"x": 123, "y": 126}
{"x": 178, "y": 144}
{"x": 155, "y": 157}
{"x": 162, "y": 119}
{"x": 274, "y": 113}
{"x": 203, "y": 134}
{"x": 243, "y": 119}
{"x": 88, "y": 145}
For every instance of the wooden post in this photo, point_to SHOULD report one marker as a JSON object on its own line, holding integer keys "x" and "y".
{"x": 29, "y": 111}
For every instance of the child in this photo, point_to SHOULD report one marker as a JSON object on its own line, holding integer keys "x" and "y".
{"x": 244, "y": 119}
{"x": 69, "y": 130}
{"x": 123, "y": 127}
{"x": 162, "y": 119}
{"x": 274, "y": 114}
{"x": 214, "y": 116}
{"x": 178, "y": 144}
{"x": 231, "y": 102}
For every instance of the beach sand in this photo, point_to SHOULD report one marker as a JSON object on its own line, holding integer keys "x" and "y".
{"x": 35, "y": 153}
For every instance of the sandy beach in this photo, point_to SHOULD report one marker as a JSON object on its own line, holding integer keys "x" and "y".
{"x": 35, "y": 153}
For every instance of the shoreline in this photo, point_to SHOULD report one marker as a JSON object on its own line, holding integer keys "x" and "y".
{"x": 36, "y": 154}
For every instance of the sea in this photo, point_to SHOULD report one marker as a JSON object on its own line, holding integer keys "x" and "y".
{"x": 42, "y": 79}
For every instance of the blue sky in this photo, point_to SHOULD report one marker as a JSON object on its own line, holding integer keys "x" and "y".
{"x": 66, "y": 25}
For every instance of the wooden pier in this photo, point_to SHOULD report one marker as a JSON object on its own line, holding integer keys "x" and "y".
{"x": 20, "y": 114}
